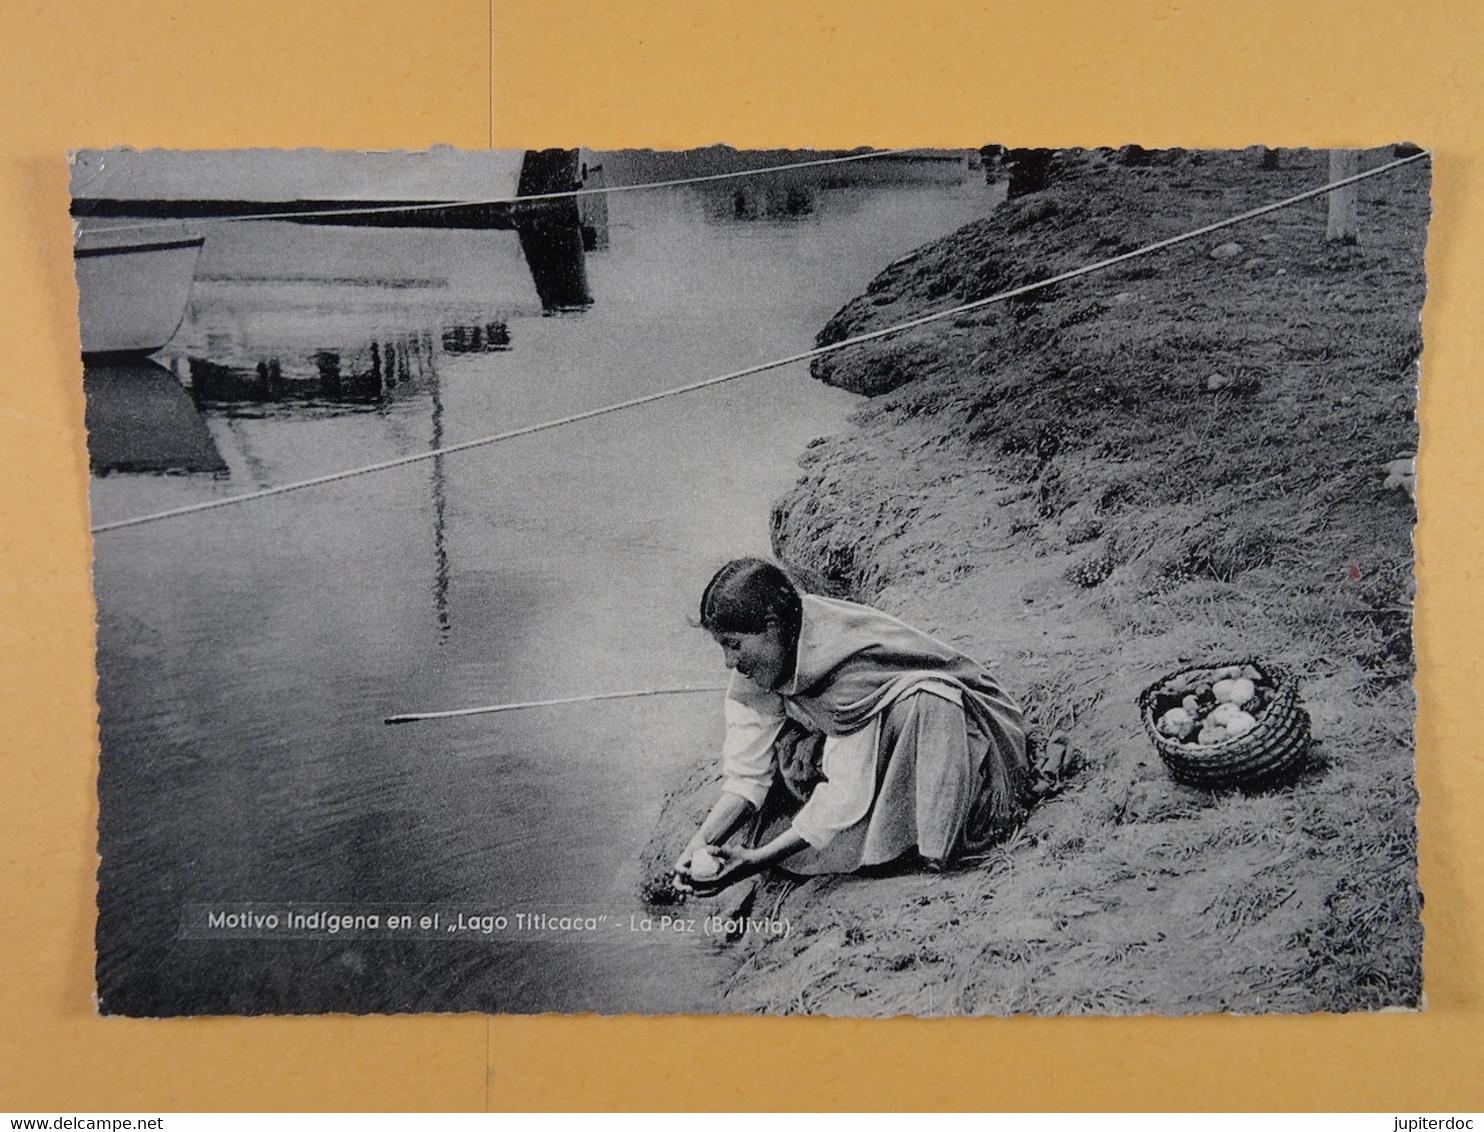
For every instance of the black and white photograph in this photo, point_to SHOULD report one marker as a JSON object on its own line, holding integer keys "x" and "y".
{"x": 871, "y": 582}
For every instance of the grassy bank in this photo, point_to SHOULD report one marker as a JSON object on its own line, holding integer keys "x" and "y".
{"x": 1182, "y": 459}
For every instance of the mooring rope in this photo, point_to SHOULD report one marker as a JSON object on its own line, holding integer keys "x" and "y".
{"x": 762, "y": 367}
{"x": 414, "y": 717}
{"x": 429, "y": 206}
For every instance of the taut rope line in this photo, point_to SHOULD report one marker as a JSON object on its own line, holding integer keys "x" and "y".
{"x": 761, "y": 367}
{"x": 414, "y": 717}
{"x": 565, "y": 194}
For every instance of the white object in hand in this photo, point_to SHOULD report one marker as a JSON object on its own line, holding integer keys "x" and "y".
{"x": 703, "y": 864}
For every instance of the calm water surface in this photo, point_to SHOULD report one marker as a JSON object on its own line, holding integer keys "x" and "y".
{"x": 247, "y": 656}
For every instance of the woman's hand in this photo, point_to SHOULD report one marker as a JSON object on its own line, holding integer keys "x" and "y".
{"x": 682, "y": 862}
{"x": 736, "y": 864}
{"x": 683, "y": 881}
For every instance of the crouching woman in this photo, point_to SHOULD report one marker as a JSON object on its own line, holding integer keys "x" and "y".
{"x": 852, "y": 739}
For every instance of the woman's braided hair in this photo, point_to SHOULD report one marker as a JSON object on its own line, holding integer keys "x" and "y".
{"x": 746, "y": 595}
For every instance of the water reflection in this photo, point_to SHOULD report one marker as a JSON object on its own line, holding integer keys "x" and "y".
{"x": 440, "y": 517}
{"x": 246, "y": 660}
{"x": 140, "y": 419}
{"x": 476, "y": 339}
{"x": 763, "y": 200}
{"x": 362, "y": 375}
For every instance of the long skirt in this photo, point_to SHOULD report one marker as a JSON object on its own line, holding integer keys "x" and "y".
{"x": 943, "y": 787}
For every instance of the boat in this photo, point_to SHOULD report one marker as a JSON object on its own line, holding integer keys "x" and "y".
{"x": 132, "y": 289}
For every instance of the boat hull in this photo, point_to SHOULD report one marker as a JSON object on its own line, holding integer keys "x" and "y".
{"x": 132, "y": 296}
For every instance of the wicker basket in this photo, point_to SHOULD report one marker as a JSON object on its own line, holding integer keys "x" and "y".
{"x": 1271, "y": 753}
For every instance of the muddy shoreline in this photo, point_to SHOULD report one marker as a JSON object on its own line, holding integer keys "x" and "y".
{"x": 1190, "y": 457}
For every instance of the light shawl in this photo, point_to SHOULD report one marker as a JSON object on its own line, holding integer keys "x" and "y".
{"x": 853, "y": 663}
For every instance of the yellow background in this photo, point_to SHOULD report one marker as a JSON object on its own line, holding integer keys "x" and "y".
{"x": 664, "y": 74}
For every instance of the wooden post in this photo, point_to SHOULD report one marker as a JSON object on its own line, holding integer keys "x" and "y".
{"x": 1030, "y": 170}
{"x": 1343, "y": 227}
{"x": 551, "y": 231}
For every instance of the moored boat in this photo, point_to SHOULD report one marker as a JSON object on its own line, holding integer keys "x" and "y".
{"x": 132, "y": 289}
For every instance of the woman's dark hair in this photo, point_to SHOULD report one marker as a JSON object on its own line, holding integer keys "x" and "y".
{"x": 746, "y": 595}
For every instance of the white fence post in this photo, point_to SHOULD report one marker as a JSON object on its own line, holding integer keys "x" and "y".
{"x": 1343, "y": 227}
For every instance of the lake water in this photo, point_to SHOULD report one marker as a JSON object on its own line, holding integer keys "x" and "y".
{"x": 247, "y": 656}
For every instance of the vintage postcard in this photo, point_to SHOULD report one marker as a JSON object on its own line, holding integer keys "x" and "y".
{"x": 854, "y": 583}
